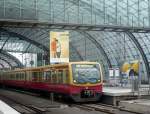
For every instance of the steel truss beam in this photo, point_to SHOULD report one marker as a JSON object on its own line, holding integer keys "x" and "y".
{"x": 98, "y": 45}
{"x": 2, "y": 65}
{"x": 25, "y": 39}
{"x": 28, "y": 51}
{"x": 4, "y": 44}
{"x": 6, "y": 62}
{"x": 12, "y": 58}
{"x": 71, "y": 45}
{"x": 145, "y": 60}
{"x": 70, "y": 26}
{"x": 27, "y": 48}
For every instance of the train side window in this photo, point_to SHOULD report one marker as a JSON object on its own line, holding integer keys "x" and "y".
{"x": 44, "y": 76}
{"x": 10, "y": 76}
{"x": 60, "y": 76}
{"x": 22, "y": 76}
{"x": 17, "y": 76}
{"x": 54, "y": 77}
{"x": 35, "y": 76}
{"x": 7, "y": 77}
{"x": 13, "y": 76}
{"x": 40, "y": 75}
{"x": 47, "y": 76}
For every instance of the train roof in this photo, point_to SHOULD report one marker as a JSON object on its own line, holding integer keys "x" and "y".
{"x": 62, "y": 65}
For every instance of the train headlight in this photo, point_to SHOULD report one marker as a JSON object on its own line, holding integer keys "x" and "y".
{"x": 74, "y": 81}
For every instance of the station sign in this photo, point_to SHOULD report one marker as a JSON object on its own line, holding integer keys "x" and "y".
{"x": 111, "y": 72}
{"x": 114, "y": 72}
{"x": 59, "y": 47}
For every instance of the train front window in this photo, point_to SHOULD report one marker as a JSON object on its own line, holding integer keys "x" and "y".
{"x": 86, "y": 73}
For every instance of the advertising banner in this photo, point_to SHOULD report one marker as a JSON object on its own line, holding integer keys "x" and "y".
{"x": 59, "y": 47}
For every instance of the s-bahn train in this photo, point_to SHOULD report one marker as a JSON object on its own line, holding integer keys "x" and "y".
{"x": 80, "y": 81}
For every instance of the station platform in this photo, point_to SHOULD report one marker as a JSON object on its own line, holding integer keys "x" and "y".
{"x": 113, "y": 95}
{"x": 139, "y": 106}
{"x": 6, "y": 109}
{"x": 117, "y": 91}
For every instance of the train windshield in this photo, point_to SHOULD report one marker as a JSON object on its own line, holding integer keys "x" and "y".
{"x": 86, "y": 73}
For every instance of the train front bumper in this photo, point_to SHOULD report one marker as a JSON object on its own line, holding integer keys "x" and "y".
{"x": 81, "y": 98}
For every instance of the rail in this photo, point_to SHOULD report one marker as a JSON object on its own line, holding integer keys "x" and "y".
{"x": 109, "y": 109}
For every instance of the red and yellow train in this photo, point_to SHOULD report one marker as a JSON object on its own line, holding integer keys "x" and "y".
{"x": 81, "y": 81}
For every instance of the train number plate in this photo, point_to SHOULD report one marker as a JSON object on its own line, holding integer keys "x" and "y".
{"x": 87, "y": 93}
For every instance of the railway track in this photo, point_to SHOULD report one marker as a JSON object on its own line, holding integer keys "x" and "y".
{"x": 29, "y": 107}
{"x": 96, "y": 107}
{"x": 109, "y": 109}
{"x": 23, "y": 108}
{"x": 32, "y": 109}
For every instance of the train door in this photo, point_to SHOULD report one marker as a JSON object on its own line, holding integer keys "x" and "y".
{"x": 53, "y": 76}
{"x": 62, "y": 76}
{"x": 28, "y": 76}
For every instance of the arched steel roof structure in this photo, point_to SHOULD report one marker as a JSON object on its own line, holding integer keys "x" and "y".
{"x": 9, "y": 61}
{"x": 119, "y": 29}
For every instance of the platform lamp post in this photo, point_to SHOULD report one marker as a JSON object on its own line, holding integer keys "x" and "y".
{"x": 52, "y": 97}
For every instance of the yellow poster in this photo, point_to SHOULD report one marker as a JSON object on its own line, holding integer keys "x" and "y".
{"x": 132, "y": 65}
{"x": 59, "y": 47}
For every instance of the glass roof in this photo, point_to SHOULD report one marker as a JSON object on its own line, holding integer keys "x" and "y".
{"x": 118, "y": 46}
{"x": 114, "y": 12}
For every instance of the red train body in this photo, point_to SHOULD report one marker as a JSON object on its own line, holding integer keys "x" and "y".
{"x": 66, "y": 79}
